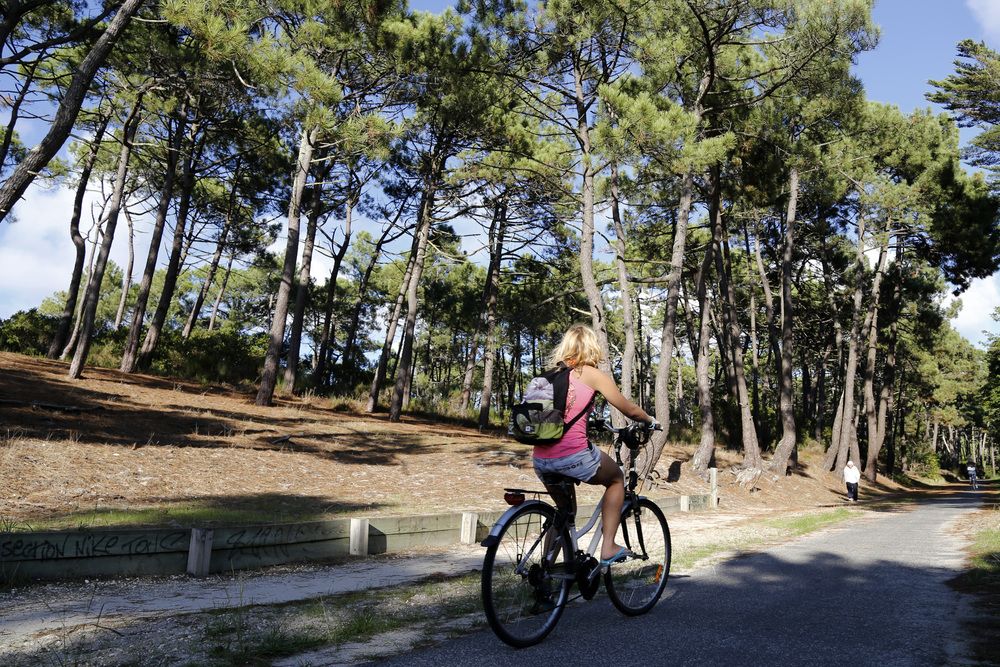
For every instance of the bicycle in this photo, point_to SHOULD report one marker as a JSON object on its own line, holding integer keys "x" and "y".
{"x": 532, "y": 556}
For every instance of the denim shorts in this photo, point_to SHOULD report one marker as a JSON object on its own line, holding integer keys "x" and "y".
{"x": 582, "y": 465}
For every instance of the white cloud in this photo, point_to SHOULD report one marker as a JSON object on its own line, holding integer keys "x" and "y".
{"x": 36, "y": 252}
{"x": 987, "y": 15}
{"x": 978, "y": 304}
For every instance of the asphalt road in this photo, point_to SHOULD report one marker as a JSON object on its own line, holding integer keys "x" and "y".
{"x": 870, "y": 592}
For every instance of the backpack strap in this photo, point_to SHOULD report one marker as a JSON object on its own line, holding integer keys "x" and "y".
{"x": 559, "y": 377}
{"x": 586, "y": 410}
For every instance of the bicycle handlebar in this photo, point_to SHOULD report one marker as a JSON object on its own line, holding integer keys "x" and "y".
{"x": 606, "y": 425}
{"x": 633, "y": 436}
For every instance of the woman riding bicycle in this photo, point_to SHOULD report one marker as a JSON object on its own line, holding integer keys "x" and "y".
{"x": 573, "y": 455}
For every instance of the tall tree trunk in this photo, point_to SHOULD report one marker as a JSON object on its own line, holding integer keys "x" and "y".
{"x": 843, "y": 427}
{"x": 130, "y": 357}
{"x": 498, "y": 230}
{"x": 706, "y": 447}
{"x": 93, "y": 294}
{"x": 489, "y": 366}
{"x": 404, "y": 373}
{"x": 350, "y": 337}
{"x": 127, "y": 274}
{"x": 628, "y": 320}
{"x": 331, "y": 293}
{"x": 871, "y": 339}
{"x": 98, "y": 230}
{"x": 302, "y": 291}
{"x": 876, "y": 437}
{"x": 821, "y": 382}
{"x": 155, "y": 329}
{"x": 269, "y": 377}
{"x": 390, "y": 335}
{"x": 222, "y": 291}
{"x": 492, "y": 296}
{"x": 786, "y": 405}
{"x": 62, "y": 124}
{"x": 751, "y": 449}
{"x": 213, "y": 266}
{"x": 590, "y": 288}
{"x": 661, "y": 389}
{"x": 73, "y": 291}
{"x": 661, "y": 385}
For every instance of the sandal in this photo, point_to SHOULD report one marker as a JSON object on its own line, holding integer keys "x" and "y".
{"x": 623, "y": 554}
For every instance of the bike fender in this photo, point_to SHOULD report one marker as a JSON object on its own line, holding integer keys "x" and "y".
{"x": 494, "y": 535}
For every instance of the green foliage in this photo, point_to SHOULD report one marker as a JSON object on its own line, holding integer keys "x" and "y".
{"x": 27, "y": 332}
{"x": 212, "y": 356}
{"x": 222, "y": 355}
{"x": 971, "y": 94}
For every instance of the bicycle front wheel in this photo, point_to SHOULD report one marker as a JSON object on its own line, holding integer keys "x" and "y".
{"x": 636, "y": 584}
{"x": 526, "y": 577}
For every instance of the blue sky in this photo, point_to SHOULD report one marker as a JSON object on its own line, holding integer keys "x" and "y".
{"x": 918, "y": 43}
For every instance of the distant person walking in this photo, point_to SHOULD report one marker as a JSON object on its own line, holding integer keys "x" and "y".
{"x": 851, "y": 477}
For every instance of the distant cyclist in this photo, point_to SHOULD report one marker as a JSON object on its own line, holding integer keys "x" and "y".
{"x": 971, "y": 470}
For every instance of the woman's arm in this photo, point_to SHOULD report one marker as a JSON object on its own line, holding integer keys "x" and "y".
{"x": 604, "y": 383}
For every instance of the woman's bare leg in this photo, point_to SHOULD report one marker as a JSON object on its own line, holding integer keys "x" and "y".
{"x": 610, "y": 476}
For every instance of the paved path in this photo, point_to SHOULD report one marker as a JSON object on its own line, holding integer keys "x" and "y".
{"x": 872, "y": 592}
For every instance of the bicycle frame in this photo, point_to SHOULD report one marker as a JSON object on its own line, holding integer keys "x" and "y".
{"x": 631, "y": 497}
{"x": 574, "y": 534}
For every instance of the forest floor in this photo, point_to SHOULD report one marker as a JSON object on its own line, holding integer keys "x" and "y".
{"x": 115, "y": 448}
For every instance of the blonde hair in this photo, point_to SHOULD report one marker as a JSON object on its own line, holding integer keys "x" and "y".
{"x": 579, "y": 347}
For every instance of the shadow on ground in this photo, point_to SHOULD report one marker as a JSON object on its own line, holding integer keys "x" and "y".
{"x": 40, "y": 402}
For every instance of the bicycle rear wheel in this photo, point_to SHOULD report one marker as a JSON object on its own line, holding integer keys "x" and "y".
{"x": 525, "y": 577}
{"x": 636, "y": 584}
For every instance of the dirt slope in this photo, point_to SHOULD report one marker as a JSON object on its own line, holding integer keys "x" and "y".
{"x": 136, "y": 441}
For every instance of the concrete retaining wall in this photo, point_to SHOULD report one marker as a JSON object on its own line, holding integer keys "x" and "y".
{"x": 201, "y": 551}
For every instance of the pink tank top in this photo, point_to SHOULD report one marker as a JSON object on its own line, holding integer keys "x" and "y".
{"x": 575, "y": 439}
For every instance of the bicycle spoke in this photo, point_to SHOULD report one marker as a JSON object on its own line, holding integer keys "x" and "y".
{"x": 521, "y": 600}
{"x": 637, "y": 583}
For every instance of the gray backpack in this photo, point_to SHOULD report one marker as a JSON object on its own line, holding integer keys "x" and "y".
{"x": 539, "y": 418}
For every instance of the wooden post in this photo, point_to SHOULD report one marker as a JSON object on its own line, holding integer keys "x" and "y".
{"x": 685, "y": 503}
{"x": 713, "y": 476}
{"x": 470, "y": 524}
{"x": 200, "y": 551}
{"x": 359, "y": 537}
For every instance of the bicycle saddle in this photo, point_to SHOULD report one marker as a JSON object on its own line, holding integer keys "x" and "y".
{"x": 557, "y": 479}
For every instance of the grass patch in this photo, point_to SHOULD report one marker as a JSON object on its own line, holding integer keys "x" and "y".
{"x": 983, "y": 574}
{"x": 982, "y": 578}
{"x": 259, "y": 649}
{"x": 808, "y": 523}
{"x": 255, "y": 635}
{"x": 767, "y": 532}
